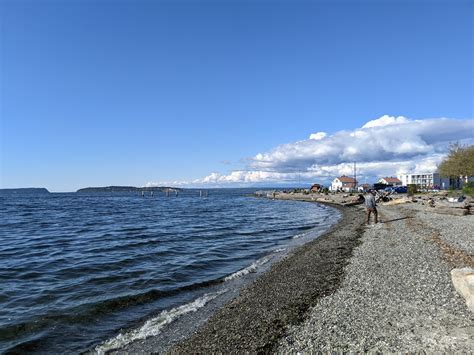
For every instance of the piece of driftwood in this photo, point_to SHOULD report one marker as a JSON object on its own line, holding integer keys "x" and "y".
{"x": 451, "y": 211}
{"x": 352, "y": 203}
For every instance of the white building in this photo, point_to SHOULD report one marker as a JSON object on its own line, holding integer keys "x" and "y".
{"x": 364, "y": 187}
{"x": 343, "y": 183}
{"x": 426, "y": 181}
{"x": 392, "y": 181}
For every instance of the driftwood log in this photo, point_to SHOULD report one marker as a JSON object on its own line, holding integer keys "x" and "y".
{"x": 451, "y": 211}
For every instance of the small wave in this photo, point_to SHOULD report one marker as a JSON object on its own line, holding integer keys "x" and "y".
{"x": 84, "y": 313}
{"x": 279, "y": 250}
{"x": 154, "y": 326}
{"x": 247, "y": 270}
{"x": 298, "y": 236}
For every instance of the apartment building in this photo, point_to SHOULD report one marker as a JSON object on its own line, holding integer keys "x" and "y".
{"x": 426, "y": 181}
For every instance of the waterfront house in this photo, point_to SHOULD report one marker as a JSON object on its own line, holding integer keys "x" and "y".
{"x": 391, "y": 181}
{"x": 343, "y": 183}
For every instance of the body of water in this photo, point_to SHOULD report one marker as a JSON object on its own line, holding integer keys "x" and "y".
{"x": 78, "y": 269}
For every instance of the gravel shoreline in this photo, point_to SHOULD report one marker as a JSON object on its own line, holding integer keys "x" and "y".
{"x": 259, "y": 317}
{"x": 397, "y": 294}
{"x": 383, "y": 288}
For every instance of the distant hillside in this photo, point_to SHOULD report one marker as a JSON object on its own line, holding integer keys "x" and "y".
{"x": 126, "y": 189}
{"x": 25, "y": 191}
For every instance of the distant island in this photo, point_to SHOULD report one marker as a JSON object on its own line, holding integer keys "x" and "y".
{"x": 127, "y": 189}
{"x": 25, "y": 190}
{"x": 44, "y": 191}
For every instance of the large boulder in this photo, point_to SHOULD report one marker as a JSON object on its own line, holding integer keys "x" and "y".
{"x": 463, "y": 280}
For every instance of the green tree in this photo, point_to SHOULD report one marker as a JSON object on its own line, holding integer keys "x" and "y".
{"x": 459, "y": 162}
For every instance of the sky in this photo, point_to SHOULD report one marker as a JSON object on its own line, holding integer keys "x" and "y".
{"x": 230, "y": 93}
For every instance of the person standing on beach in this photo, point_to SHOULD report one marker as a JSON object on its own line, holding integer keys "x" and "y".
{"x": 370, "y": 206}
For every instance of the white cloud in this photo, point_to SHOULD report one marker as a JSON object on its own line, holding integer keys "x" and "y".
{"x": 318, "y": 135}
{"x": 384, "y": 146}
{"x": 385, "y": 120}
{"x": 175, "y": 183}
{"x": 365, "y": 171}
{"x": 384, "y": 139}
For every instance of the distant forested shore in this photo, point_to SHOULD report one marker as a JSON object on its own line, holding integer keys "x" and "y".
{"x": 43, "y": 191}
{"x": 24, "y": 190}
{"x": 126, "y": 189}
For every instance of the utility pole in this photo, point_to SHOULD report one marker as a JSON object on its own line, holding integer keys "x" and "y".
{"x": 355, "y": 176}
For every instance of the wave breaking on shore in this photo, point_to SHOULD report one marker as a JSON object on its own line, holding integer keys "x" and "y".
{"x": 155, "y": 325}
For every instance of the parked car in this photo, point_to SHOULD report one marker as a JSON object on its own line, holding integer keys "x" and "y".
{"x": 397, "y": 189}
{"x": 401, "y": 189}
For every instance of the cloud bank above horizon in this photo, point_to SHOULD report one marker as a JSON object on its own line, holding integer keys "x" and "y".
{"x": 386, "y": 146}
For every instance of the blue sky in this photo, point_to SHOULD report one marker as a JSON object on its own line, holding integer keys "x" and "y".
{"x": 99, "y": 93}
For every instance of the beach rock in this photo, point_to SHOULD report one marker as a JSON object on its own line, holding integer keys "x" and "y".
{"x": 463, "y": 281}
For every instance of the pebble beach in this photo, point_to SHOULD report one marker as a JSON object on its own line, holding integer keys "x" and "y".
{"x": 397, "y": 294}
{"x": 384, "y": 287}
{"x": 259, "y": 317}
{"x": 356, "y": 288}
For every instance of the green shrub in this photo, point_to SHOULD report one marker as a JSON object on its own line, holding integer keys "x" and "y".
{"x": 469, "y": 189}
{"x": 411, "y": 189}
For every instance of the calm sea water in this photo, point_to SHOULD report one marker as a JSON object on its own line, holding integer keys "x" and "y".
{"x": 76, "y": 269}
